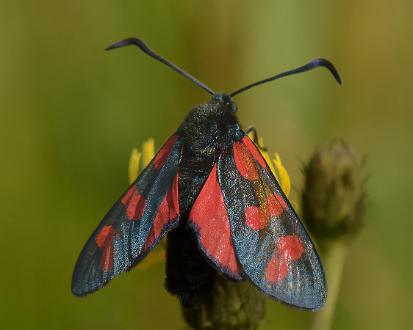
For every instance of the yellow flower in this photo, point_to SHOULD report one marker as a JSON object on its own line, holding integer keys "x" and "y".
{"x": 134, "y": 164}
{"x": 282, "y": 176}
{"x": 139, "y": 160}
{"x": 148, "y": 151}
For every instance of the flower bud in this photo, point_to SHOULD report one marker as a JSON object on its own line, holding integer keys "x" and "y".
{"x": 332, "y": 201}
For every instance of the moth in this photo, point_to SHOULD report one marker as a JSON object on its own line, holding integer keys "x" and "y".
{"x": 211, "y": 192}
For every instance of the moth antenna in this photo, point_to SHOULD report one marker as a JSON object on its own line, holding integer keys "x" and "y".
{"x": 142, "y": 46}
{"x": 319, "y": 62}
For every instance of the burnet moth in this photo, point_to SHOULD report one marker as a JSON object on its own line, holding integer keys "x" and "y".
{"x": 210, "y": 190}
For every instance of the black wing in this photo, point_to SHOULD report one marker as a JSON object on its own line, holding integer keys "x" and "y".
{"x": 272, "y": 245}
{"x": 134, "y": 225}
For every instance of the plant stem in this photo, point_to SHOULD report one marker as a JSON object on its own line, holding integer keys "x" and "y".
{"x": 332, "y": 204}
{"x": 334, "y": 254}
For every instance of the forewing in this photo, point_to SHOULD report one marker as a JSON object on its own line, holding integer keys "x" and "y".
{"x": 209, "y": 219}
{"x": 271, "y": 243}
{"x": 134, "y": 225}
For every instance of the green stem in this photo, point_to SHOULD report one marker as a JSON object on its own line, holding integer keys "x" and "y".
{"x": 332, "y": 204}
{"x": 333, "y": 254}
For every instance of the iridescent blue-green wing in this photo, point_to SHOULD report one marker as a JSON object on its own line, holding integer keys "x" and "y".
{"x": 134, "y": 225}
{"x": 271, "y": 244}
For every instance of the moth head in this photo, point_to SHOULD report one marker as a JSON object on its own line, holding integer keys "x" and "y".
{"x": 225, "y": 102}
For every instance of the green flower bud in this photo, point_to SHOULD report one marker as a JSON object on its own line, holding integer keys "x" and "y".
{"x": 332, "y": 201}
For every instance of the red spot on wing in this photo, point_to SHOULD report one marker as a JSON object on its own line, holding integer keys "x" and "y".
{"x": 245, "y": 152}
{"x": 276, "y": 271}
{"x": 128, "y": 195}
{"x": 276, "y": 205}
{"x": 106, "y": 260}
{"x": 104, "y": 235}
{"x": 245, "y": 162}
{"x": 104, "y": 240}
{"x": 211, "y": 220}
{"x": 168, "y": 211}
{"x": 255, "y": 217}
{"x": 164, "y": 152}
{"x": 135, "y": 203}
{"x": 258, "y": 218}
{"x": 281, "y": 200}
{"x": 289, "y": 248}
{"x": 254, "y": 151}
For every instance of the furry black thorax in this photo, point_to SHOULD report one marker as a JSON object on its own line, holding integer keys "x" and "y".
{"x": 206, "y": 130}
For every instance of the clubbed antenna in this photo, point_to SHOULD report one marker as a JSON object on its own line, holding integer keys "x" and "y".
{"x": 142, "y": 46}
{"x": 307, "y": 67}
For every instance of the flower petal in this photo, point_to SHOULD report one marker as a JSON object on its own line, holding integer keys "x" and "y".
{"x": 148, "y": 151}
{"x": 283, "y": 177}
{"x": 134, "y": 160}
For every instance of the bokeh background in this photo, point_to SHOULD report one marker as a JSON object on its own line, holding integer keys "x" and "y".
{"x": 70, "y": 114}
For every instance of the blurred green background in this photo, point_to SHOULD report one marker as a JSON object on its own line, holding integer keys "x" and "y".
{"x": 70, "y": 114}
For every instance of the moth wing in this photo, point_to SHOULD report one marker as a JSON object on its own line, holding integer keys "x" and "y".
{"x": 272, "y": 245}
{"x": 210, "y": 221}
{"x": 134, "y": 225}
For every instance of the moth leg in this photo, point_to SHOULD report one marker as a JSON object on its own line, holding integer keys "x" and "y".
{"x": 255, "y": 139}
